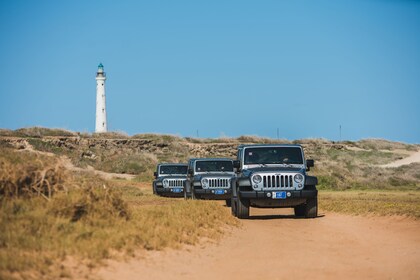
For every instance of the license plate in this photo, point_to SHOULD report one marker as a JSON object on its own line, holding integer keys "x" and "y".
{"x": 219, "y": 192}
{"x": 278, "y": 195}
{"x": 176, "y": 190}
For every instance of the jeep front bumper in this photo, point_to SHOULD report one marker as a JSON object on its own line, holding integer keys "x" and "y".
{"x": 212, "y": 194}
{"x": 267, "y": 194}
{"x": 169, "y": 192}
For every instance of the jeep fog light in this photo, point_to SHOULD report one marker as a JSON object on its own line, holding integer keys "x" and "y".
{"x": 257, "y": 179}
{"x": 298, "y": 178}
{"x": 289, "y": 194}
{"x": 269, "y": 194}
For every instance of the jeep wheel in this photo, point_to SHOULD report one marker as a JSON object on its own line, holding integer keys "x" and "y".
{"x": 233, "y": 206}
{"x": 300, "y": 210}
{"x": 228, "y": 203}
{"x": 242, "y": 208}
{"x": 311, "y": 207}
{"x": 186, "y": 195}
{"x": 193, "y": 194}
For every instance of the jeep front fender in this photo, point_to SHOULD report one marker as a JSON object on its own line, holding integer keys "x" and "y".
{"x": 311, "y": 181}
{"x": 187, "y": 186}
{"x": 244, "y": 182}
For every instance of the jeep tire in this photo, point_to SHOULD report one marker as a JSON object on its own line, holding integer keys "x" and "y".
{"x": 311, "y": 207}
{"x": 242, "y": 208}
{"x": 300, "y": 210}
{"x": 186, "y": 195}
{"x": 228, "y": 202}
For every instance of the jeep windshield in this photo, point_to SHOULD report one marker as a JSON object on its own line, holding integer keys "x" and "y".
{"x": 273, "y": 155}
{"x": 173, "y": 170}
{"x": 214, "y": 166}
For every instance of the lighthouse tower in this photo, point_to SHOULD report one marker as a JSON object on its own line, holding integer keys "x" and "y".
{"x": 101, "y": 125}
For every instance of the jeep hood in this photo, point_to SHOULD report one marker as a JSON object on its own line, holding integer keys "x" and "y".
{"x": 179, "y": 177}
{"x": 214, "y": 174}
{"x": 274, "y": 170}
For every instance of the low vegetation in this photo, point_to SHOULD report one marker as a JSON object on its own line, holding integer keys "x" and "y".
{"x": 89, "y": 219}
{"x": 339, "y": 165}
{"x": 378, "y": 203}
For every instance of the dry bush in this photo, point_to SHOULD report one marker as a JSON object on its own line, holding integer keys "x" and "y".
{"x": 135, "y": 163}
{"x": 166, "y": 138}
{"x": 254, "y": 139}
{"x": 95, "y": 222}
{"x": 381, "y": 144}
{"x": 313, "y": 141}
{"x": 41, "y": 132}
{"x": 6, "y": 132}
{"x": 110, "y": 135}
{"x": 25, "y": 174}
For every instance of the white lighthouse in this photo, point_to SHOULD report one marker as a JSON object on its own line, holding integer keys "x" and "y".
{"x": 101, "y": 125}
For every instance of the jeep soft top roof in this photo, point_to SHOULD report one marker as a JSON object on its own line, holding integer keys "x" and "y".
{"x": 269, "y": 145}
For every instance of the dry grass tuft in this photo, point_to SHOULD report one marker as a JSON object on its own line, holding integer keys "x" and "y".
{"x": 380, "y": 203}
{"x": 42, "y": 132}
{"x": 381, "y": 144}
{"x": 26, "y": 174}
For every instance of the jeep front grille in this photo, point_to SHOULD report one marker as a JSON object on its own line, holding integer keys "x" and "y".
{"x": 278, "y": 181}
{"x": 175, "y": 183}
{"x": 219, "y": 183}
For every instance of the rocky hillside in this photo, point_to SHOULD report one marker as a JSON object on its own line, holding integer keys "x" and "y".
{"x": 340, "y": 165}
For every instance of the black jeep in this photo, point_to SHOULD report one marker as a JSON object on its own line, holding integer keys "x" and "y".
{"x": 209, "y": 178}
{"x": 274, "y": 176}
{"x": 169, "y": 179}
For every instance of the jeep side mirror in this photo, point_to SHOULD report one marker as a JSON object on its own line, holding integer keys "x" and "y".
{"x": 236, "y": 164}
{"x": 155, "y": 174}
{"x": 190, "y": 172}
{"x": 309, "y": 163}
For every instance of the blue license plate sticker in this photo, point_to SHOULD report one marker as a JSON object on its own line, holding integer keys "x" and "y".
{"x": 278, "y": 195}
{"x": 176, "y": 190}
{"x": 219, "y": 192}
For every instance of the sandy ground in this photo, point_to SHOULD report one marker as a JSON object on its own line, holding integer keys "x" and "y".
{"x": 275, "y": 245}
{"x": 410, "y": 159}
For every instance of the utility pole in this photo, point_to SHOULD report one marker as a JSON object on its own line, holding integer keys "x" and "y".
{"x": 278, "y": 134}
{"x": 197, "y": 134}
{"x": 340, "y": 132}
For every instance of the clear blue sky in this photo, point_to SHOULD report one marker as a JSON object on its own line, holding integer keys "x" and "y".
{"x": 224, "y": 68}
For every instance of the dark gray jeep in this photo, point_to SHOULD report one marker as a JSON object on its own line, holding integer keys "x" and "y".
{"x": 209, "y": 178}
{"x": 169, "y": 179}
{"x": 274, "y": 176}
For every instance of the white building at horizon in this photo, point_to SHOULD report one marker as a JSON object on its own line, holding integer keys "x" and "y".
{"x": 100, "y": 125}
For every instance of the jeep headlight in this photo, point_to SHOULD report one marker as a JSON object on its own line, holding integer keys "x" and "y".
{"x": 257, "y": 179}
{"x": 205, "y": 182}
{"x": 298, "y": 178}
{"x": 165, "y": 183}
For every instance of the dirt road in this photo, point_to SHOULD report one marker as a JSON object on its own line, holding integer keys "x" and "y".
{"x": 275, "y": 245}
{"x": 415, "y": 157}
